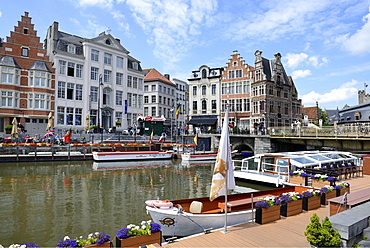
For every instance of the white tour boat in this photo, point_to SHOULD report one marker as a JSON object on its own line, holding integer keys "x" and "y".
{"x": 202, "y": 156}
{"x": 274, "y": 168}
{"x": 131, "y": 155}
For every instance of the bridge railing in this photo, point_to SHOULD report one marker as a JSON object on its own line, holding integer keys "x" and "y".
{"x": 342, "y": 131}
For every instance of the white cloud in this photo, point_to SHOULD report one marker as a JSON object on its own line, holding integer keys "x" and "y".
{"x": 91, "y": 29}
{"x": 172, "y": 25}
{"x": 359, "y": 42}
{"x": 1, "y": 13}
{"x": 344, "y": 92}
{"x": 295, "y": 59}
{"x": 122, "y": 22}
{"x": 301, "y": 74}
{"x": 108, "y": 4}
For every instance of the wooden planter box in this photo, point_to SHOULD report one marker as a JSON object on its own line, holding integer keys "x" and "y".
{"x": 342, "y": 191}
{"x": 309, "y": 203}
{"x": 140, "y": 240}
{"x": 104, "y": 245}
{"x": 291, "y": 208}
{"x": 297, "y": 180}
{"x": 265, "y": 215}
{"x": 326, "y": 196}
{"x": 319, "y": 183}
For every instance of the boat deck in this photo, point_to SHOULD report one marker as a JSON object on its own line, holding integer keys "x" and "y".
{"x": 286, "y": 232}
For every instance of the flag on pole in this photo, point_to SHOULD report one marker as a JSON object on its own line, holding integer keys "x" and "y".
{"x": 196, "y": 139}
{"x": 163, "y": 136}
{"x": 178, "y": 111}
{"x": 151, "y": 137}
{"x": 49, "y": 133}
{"x": 67, "y": 137}
{"x": 224, "y": 166}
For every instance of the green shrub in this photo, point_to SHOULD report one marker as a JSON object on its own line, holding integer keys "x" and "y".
{"x": 322, "y": 235}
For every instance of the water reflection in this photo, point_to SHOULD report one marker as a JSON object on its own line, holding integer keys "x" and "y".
{"x": 44, "y": 201}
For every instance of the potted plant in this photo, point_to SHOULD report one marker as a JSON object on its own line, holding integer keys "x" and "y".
{"x": 94, "y": 128}
{"x": 327, "y": 192}
{"x": 342, "y": 188}
{"x": 291, "y": 203}
{"x": 266, "y": 209}
{"x": 97, "y": 239}
{"x": 311, "y": 199}
{"x": 138, "y": 235}
{"x": 8, "y": 129}
{"x": 322, "y": 235}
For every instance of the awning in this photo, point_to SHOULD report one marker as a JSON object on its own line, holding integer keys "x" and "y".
{"x": 203, "y": 121}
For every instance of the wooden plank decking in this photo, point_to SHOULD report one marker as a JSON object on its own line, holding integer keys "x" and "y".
{"x": 286, "y": 232}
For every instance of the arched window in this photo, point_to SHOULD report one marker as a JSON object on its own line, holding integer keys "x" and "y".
{"x": 204, "y": 105}
{"x": 204, "y": 73}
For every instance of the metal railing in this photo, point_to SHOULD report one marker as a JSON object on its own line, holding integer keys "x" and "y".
{"x": 333, "y": 132}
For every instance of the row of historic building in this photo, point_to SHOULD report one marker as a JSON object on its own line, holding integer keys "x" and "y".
{"x": 87, "y": 82}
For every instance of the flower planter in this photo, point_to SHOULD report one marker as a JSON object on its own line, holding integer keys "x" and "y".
{"x": 326, "y": 196}
{"x": 291, "y": 208}
{"x": 297, "y": 180}
{"x": 342, "y": 191}
{"x": 106, "y": 244}
{"x": 140, "y": 240}
{"x": 309, "y": 203}
{"x": 319, "y": 183}
{"x": 265, "y": 215}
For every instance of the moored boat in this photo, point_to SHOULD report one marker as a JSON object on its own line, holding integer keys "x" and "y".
{"x": 275, "y": 168}
{"x": 202, "y": 156}
{"x": 131, "y": 155}
{"x": 191, "y": 216}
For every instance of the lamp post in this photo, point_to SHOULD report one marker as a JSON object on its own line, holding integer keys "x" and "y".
{"x": 99, "y": 129}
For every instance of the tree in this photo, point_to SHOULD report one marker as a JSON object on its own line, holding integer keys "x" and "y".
{"x": 322, "y": 235}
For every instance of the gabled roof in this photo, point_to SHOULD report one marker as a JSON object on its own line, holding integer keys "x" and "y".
{"x": 9, "y": 61}
{"x": 153, "y": 74}
{"x": 40, "y": 66}
{"x": 311, "y": 112}
{"x": 114, "y": 43}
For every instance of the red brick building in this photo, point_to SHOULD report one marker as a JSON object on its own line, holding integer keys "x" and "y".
{"x": 27, "y": 79}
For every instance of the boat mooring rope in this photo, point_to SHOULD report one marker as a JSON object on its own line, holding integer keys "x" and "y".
{"x": 180, "y": 212}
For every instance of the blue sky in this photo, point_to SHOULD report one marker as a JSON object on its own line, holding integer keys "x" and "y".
{"x": 325, "y": 44}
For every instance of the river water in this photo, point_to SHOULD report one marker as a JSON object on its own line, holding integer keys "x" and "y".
{"x": 41, "y": 202}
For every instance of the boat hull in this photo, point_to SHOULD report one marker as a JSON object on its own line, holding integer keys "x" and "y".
{"x": 125, "y": 156}
{"x": 183, "y": 224}
{"x": 198, "y": 157}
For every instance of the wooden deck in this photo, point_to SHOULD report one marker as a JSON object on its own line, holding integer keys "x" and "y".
{"x": 286, "y": 232}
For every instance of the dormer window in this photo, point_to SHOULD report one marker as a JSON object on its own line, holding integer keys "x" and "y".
{"x": 71, "y": 48}
{"x": 108, "y": 42}
{"x": 204, "y": 73}
{"x": 24, "y": 51}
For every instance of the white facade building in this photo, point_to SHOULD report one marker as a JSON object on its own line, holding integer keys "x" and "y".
{"x": 97, "y": 82}
{"x": 182, "y": 103}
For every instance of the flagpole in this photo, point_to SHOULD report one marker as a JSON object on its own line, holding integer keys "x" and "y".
{"x": 227, "y": 172}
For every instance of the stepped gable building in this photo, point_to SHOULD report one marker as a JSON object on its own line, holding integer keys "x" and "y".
{"x": 236, "y": 81}
{"x": 274, "y": 97}
{"x": 27, "y": 79}
{"x": 98, "y": 82}
{"x": 204, "y": 98}
{"x": 159, "y": 102}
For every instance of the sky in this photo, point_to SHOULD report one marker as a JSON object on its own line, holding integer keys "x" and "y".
{"x": 325, "y": 44}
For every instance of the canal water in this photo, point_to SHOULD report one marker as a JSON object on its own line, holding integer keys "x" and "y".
{"x": 41, "y": 202}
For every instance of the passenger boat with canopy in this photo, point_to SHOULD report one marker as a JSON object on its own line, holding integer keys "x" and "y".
{"x": 274, "y": 168}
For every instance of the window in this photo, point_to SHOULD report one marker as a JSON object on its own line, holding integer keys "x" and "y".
{"x": 94, "y": 73}
{"x": 79, "y": 92}
{"x": 119, "y": 62}
{"x": 134, "y": 100}
{"x": 40, "y": 79}
{"x": 154, "y": 99}
{"x": 239, "y": 105}
{"x": 9, "y": 99}
{"x": 119, "y": 78}
{"x": 119, "y": 98}
{"x": 94, "y": 94}
{"x": 69, "y": 116}
{"x": 214, "y": 105}
{"x": 153, "y": 88}
{"x": 194, "y": 90}
{"x": 107, "y": 76}
{"x": 231, "y": 74}
{"x": 239, "y": 73}
{"x": 154, "y": 111}
{"x": 160, "y": 88}
{"x": 108, "y": 42}
{"x": 134, "y": 84}
{"x": 204, "y": 90}
{"x": 71, "y": 49}
{"x": 160, "y": 111}
{"x": 93, "y": 117}
{"x": 146, "y": 88}
{"x": 204, "y": 105}
{"x": 204, "y": 73}
{"x": 62, "y": 67}
{"x": 25, "y": 30}
{"x": 129, "y": 81}
{"x": 118, "y": 118}
{"x": 146, "y": 111}
{"x": 60, "y": 115}
{"x": 78, "y": 116}
{"x": 106, "y": 96}
{"x": 7, "y": 75}
{"x": 140, "y": 86}
{"x": 40, "y": 101}
{"x": 79, "y": 69}
{"x": 71, "y": 69}
{"x": 24, "y": 52}
{"x": 146, "y": 99}
{"x": 70, "y": 89}
{"x": 95, "y": 55}
{"x": 140, "y": 101}
{"x": 195, "y": 105}
{"x": 107, "y": 59}
{"x": 129, "y": 99}
{"x": 246, "y": 88}
{"x": 160, "y": 100}
{"x": 213, "y": 89}
{"x": 61, "y": 90}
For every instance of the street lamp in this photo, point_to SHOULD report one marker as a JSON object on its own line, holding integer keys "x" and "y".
{"x": 99, "y": 129}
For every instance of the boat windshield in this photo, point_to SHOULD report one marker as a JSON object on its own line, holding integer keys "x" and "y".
{"x": 250, "y": 163}
{"x": 303, "y": 160}
{"x": 319, "y": 157}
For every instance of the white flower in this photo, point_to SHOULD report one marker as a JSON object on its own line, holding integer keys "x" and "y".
{"x": 14, "y": 246}
{"x": 137, "y": 227}
{"x": 1, "y": 246}
{"x": 23, "y": 246}
{"x": 66, "y": 238}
